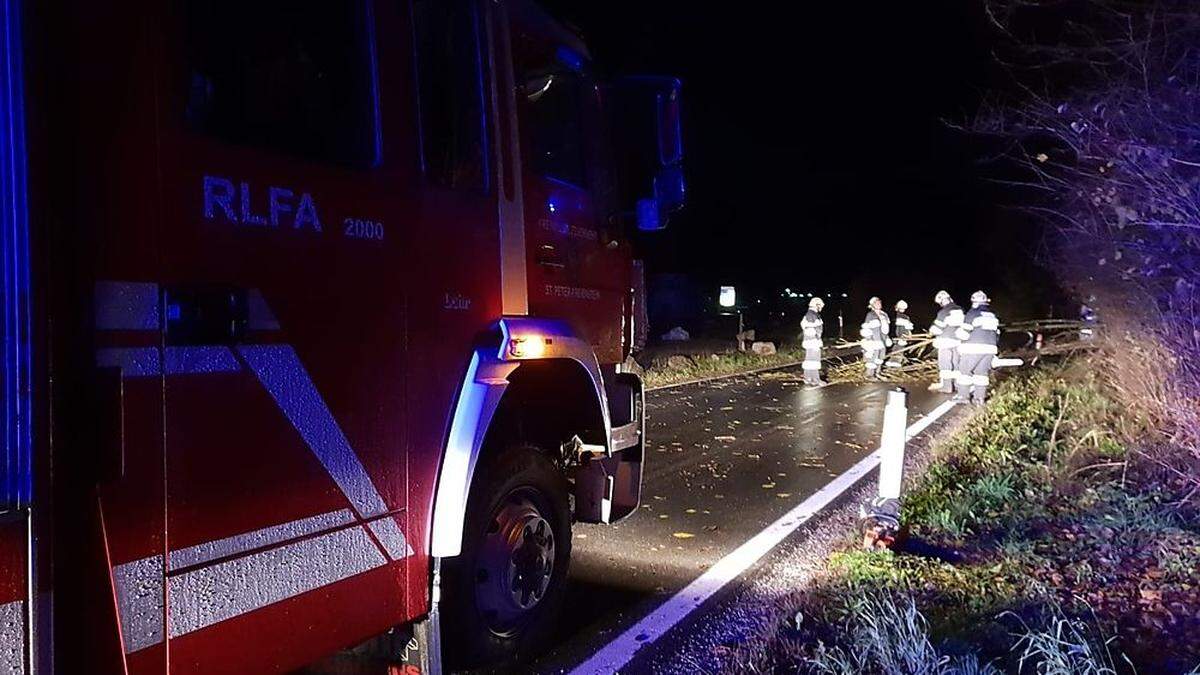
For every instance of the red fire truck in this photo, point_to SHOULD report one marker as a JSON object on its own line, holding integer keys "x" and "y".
{"x": 317, "y": 328}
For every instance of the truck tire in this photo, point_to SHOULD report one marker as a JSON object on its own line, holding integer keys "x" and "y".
{"x": 501, "y": 595}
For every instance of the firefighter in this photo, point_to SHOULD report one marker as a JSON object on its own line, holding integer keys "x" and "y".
{"x": 979, "y": 336}
{"x": 949, "y": 318}
{"x": 904, "y": 328}
{"x": 1087, "y": 315}
{"x": 875, "y": 337}
{"x": 813, "y": 328}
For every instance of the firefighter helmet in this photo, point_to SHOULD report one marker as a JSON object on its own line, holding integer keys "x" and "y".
{"x": 901, "y": 306}
{"x": 979, "y": 297}
{"x": 942, "y": 298}
{"x": 816, "y": 304}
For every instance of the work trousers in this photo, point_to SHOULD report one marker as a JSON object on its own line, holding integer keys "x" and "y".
{"x": 948, "y": 368}
{"x": 974, "y": 372}
{"x": 872, "y": 360}
{"x": 812, "y": 365}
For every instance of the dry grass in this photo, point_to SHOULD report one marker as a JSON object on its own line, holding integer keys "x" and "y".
{"x": 1156, "y": 379}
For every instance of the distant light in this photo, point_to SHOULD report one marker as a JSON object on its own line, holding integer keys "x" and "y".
{"x": 844, "y": 295}
{"x": 551, "y": 206}
{"x": 728, "y": 296}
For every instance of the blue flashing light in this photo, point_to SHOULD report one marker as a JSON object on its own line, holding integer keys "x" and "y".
{"x": 570, "y": 58}
{"x": 550, "y": 205}
{"x": 16, "y": 362}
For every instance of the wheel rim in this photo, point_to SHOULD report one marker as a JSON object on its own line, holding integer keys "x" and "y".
{"x": 516, "y": 563}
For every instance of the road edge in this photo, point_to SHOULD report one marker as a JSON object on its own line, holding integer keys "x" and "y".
{"x": 738, "y": 615}
{"x": 660, "y": 621}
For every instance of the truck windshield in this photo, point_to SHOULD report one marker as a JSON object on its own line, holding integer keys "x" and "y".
{"x": 295, "y": 77}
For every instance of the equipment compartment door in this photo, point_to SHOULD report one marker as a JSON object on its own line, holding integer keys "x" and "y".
{"x": 285, "y": 319}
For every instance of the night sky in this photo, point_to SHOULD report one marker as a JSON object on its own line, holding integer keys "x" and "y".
{"x": 818, "y": 149}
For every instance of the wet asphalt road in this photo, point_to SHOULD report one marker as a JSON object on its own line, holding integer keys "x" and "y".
{"x": 724, "y": 459}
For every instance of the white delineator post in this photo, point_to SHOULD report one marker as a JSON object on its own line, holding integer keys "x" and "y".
{"x": 881, "y": 518}
{"x": 891, "y": 461}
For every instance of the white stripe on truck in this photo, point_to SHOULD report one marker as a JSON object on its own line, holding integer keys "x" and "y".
{"x": 12, "y": 638}
{"x": 203, "y": 596}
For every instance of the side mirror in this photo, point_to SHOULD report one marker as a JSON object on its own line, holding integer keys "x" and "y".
{"x": 646, "y": 115}
{"x": 670, "y": 134}
{"x": 670, "y": 189}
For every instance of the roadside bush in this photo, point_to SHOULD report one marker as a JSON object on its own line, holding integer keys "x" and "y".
{"x": 1101, "y": 128}
{"x": 990, "y": 475}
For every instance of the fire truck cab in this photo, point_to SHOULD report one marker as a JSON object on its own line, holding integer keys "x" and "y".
{"x": 318, "y": 322}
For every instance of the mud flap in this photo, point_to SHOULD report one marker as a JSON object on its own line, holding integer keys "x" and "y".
{"x": 404, "y": 650}
{"x": 419, "y": 655}
{"x": 608, "y": 484}
{"x": 414, "y": 655}
{"x": 608, "y": 489}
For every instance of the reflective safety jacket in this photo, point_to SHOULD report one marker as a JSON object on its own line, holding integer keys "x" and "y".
{"x": 1088, "y": 316}
{"x": 874, "y": 329}
{"x": 813, "y": 328}
{"x": 904, "y": 326}
{"x": 949, "y": 318}
{"x": 979, "y": 332}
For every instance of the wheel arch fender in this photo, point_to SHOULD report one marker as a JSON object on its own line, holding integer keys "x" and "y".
{"x": 487, "y": 385}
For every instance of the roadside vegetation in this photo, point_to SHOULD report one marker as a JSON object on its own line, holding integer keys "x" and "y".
{"x": 1045, "y": 537}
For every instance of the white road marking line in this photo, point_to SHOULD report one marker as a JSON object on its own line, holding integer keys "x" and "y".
{"x": 621, "y": 651}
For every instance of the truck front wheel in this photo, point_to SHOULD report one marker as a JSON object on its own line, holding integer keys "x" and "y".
{"x": 501, "y": 594}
